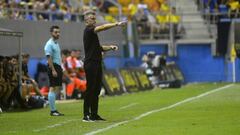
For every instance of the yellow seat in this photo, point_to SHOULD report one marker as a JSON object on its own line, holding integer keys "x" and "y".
{"x": 161, "y": 18}
{"x": 125, "y": 11}
{"x": 173, "y": 18}
{"x": 164, "y": 7}
{"x": 124, "y": 2}
{"x": 132, "y": 8}
{"x": 113, "y": 10}
{"x": 234, "y": 5}
{"x": 86, "y": 1}
{"x": 110, "y": 19}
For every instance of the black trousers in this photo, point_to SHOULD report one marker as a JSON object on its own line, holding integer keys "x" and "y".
{"x": 93, "y": 71}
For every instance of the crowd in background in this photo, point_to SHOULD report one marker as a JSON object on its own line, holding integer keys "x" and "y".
{"x": 74, "y": 75}
{"x": 37, "y": 10}
{"x": 65, "y": 9}
{"x": 10, "y": 94}
{"x": 214, "y": 10}
{"x": 35, "y": 90}
{"x": 150, "y": 15}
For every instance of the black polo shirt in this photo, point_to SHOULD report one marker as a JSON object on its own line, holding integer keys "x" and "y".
{"x": 25, "y": 69}
{"x": 92, "y": 48}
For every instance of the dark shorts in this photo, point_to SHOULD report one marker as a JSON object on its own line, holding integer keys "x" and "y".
{"x": 55, "y": 81}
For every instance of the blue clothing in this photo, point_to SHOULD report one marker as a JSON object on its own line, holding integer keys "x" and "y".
{"x": 30, "y": 17}
{"x": 212, "y": 5}
{"x": 223, "y": 8}
{"x": 52, "y": 48}
{"x": 51, "y": 99}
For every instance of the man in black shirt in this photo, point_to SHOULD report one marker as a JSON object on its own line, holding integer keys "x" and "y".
{"x": 27, "y": 82}
{"x": 93, "y": 63}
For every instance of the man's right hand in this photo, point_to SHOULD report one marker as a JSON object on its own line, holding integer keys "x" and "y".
{"x": 122, "y": 23}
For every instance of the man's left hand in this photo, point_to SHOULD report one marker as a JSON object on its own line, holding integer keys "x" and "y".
{"x": 114, "y": 47}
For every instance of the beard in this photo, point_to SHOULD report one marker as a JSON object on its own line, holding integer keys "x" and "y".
{"x": 56, "y": 37}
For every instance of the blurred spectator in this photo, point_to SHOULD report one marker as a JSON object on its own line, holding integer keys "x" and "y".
{"x": 105, "y": 6}
{"x": 29, "y": 85}
{"x": 30, "y": 15}
{"x": 161, "y": 16}
{"x": 233, "y": 8}
{"x": 55, "y": 13}
{"x": 143, "y": 6}
{"x": 164, "y": 6}
{"x": 98, "y": 3}
{"x": 3, "y": 86}
{"x": 212, "y": 6}
{"x": 11, "y": 79}
{"x": 142, "y": 20}
{"x": 153, "y": 5}
{"x": 74, "y": 69}
{"x": 175, "y": 19}
{"x": 9, "y": 93}
{"x": 31, "y": 95}
{"x": 223, "y": 9}
{"x": 132, "y": 7}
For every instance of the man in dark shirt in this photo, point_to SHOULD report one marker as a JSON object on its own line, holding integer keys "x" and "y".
{"x": 28, "y": 84}
{"x": 93, "y": 63}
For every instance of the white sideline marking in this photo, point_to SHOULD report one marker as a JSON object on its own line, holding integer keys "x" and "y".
{"x": 127, "y": 106}
{"x": 12, "y": 132}
{"x": 55, "y": 125}
{"x": 157, "y": 110}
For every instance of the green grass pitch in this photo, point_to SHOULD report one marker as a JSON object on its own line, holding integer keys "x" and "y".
{"x": 154, "y": 112}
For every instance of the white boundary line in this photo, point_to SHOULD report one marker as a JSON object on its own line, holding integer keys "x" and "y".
{"x": 55, "y": 125}
{"x": 127, "y": 106}
{"x": 158, "y": 110}
{"x": 68, "y": 121}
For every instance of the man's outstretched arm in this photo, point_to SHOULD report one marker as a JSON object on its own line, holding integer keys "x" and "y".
{"x": 109, "y": 26}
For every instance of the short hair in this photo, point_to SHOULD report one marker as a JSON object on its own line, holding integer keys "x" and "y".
{"x": 25, "y": 55}
{"x": 54, "y": 27}
{"x": 88, "y": 12}
{"x": 65, "y": 52}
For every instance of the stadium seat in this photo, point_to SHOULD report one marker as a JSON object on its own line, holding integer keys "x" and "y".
{"x": 124, "y": 2}
{"x": 161, "y": 19}
{"x": 113, "y": 10}
{"x": 125, "y": 10}
{"x": 109, "y": 18}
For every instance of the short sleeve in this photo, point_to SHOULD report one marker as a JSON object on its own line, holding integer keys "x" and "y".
{"x": 48, "y": 49}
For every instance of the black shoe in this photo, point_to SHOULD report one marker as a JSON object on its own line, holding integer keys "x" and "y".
{"x": 97, "y": 117}
{"x": 56, "y": 113}
{"x": 86, "y": 118}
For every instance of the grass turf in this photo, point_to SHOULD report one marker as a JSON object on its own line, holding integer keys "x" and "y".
{"x": 214, "y": 114}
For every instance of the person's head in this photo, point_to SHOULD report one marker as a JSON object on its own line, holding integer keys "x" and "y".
{"x": 55, "y": 32}
{"x": 65, "y": 53}
{"x": 78, "y": 53}
{"x": 13, "y": 60}
{"x": 73, "y": 53}
{"x": 25, "y": 58}
{"x": 174, "y": 10}
{"x": 90, "y": 18}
